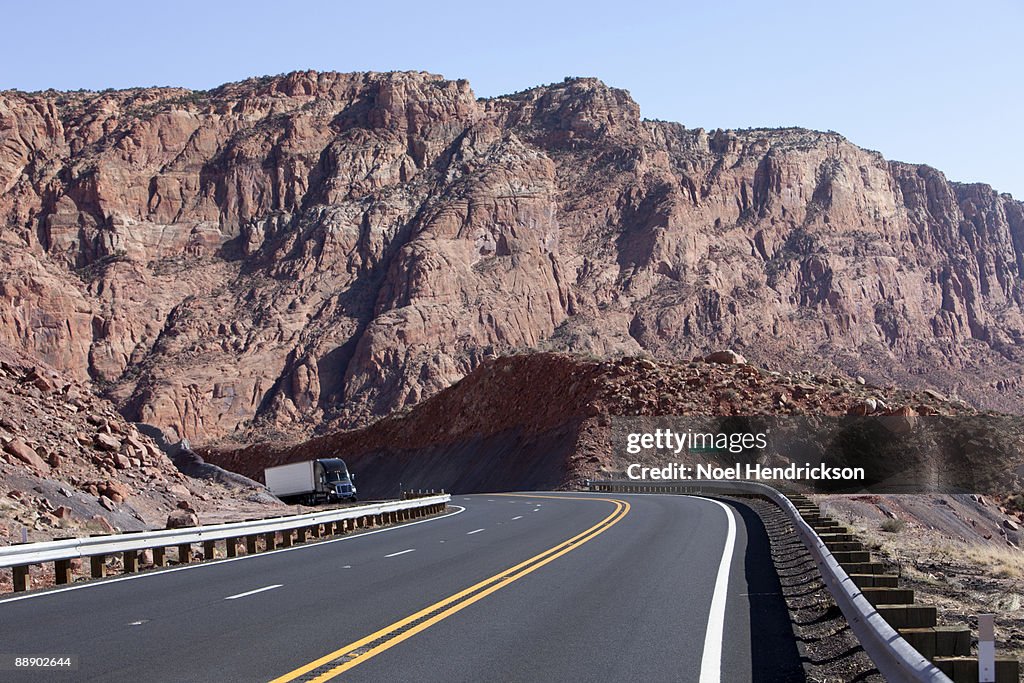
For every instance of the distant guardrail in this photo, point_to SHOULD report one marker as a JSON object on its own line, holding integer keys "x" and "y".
{"x": 97, "y": 548}
{"x": 895, "y": 658}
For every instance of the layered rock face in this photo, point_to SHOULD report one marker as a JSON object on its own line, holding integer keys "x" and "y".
{"x": 315, "y": 250}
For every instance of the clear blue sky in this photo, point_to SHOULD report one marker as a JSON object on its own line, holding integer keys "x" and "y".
{"x": 937, "y": 82}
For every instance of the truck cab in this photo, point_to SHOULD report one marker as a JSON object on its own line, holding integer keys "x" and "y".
{"x": 334, "y": 479}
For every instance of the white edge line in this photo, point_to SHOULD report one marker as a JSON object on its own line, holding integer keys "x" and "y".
{"x": 254, "y": 592}
{"x": 401, "y": 552}
{"x": 476, "y": 531}
{"x": 711, "y": 660}
{"x": 226, "y": 560}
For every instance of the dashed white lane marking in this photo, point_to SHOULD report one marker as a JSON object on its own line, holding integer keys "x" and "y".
{"x": 221, "y": 563}
{"x": 254, "y": 592}
{"x": 401, "y": 552}
{"x": 535, "y": 510}
{"x": 470, "y": 533}
{"x": 518, "y": 517}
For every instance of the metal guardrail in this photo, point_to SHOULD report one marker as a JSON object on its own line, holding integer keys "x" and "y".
{"x": 894, "y": 657}
{"x": 21, "y": 556}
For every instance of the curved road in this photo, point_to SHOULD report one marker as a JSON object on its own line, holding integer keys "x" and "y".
{"x": 505, "y": 587}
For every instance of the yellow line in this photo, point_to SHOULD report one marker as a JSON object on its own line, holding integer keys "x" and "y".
{"x": 517, "y": 572}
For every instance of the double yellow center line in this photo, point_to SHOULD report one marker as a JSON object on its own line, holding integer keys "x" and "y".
{"x": 354, "y": 654}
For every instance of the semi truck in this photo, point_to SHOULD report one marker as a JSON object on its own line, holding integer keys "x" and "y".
{"x": 311, "y": 481}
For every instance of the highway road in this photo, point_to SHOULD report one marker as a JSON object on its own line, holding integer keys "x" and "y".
{"x": 504, "y": 587}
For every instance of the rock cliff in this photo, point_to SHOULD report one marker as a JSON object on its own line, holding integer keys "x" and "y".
{"x": 315, "y": 250}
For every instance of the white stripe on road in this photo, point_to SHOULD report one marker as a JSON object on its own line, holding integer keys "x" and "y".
{"x": 474, "y": 532}
{"x": 258, "y": 590}
{"x": 401, "y": 552}
{"x": 518, "y": 517}
{"x": 219, "y": 563}
{"x": 711, "y": 661}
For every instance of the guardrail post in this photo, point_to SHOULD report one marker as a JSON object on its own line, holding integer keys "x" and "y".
{"x": 209, "y": 550}
{"x": 159, "y": 556}
{"x": 22, "y": 581}
{"x": 286, "y": 538}
{"x": 98, "y": 566}
{"x": 231, "y": 547}
{"x": 131, "y": 561}
{"x": 61, "y": 572}
{"x": 270, "y": 538}
{"x": 250, "y": 544}
{"x": 314, "y": 531}
{"x": 184, "y": 553}
{"x": 300, "y": 534}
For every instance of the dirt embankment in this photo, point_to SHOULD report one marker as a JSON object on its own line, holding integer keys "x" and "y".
{"x": 544, "y": 420}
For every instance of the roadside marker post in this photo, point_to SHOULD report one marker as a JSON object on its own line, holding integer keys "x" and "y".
{"x": 986, "y": 648}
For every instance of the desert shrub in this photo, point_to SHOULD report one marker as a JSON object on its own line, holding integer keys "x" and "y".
{"x": 893, "y": 526}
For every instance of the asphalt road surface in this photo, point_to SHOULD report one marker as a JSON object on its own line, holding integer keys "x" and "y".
{"x": 504, "y": 587}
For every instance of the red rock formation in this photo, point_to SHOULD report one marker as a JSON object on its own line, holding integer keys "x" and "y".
{"x": 322, "y": 249}
{"x": 70, "y": 465}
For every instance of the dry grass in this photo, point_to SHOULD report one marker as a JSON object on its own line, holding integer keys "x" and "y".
{"x": 961, "y": 578}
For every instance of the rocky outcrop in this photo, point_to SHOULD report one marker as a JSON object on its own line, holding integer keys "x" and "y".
{"x": 71, "y": 465}
{"x": 315, "y": 250}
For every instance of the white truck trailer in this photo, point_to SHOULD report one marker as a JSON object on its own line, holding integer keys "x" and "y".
{"x": 311, "y": 481}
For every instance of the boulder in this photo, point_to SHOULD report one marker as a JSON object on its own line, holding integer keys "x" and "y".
{"x": 804, "y": 390}
{"x": 102, "y": 522}
{"x": 178, "y": 490}
{"x": 726, "y": 357}
{"x": 107, "y": 442}
{"x": 25, "y": 453}
{"x": 115, "y": 490}
{"x": 180, "y": 519}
